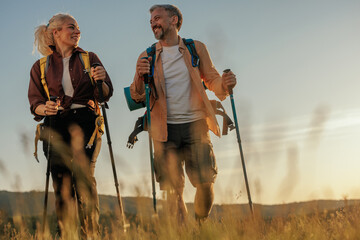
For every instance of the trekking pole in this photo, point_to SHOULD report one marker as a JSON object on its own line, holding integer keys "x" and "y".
{"x": 101, "y": 96}
{"x": 48, "y": 167}
{"x": 147, "y": 93}
{"x": 240, "y": 147}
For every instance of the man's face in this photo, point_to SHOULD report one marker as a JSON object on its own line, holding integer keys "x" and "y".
{"x": 160, "y": 23}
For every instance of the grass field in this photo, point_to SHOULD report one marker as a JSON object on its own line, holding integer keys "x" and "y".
{"x": 339, "y": 224}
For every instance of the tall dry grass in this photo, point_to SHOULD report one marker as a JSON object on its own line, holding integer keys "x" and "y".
{"x": 338, "y": 224}
{"x": 322, "y": 225}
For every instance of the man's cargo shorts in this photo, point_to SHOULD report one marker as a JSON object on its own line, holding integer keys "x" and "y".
{"x": 188, "y": 144}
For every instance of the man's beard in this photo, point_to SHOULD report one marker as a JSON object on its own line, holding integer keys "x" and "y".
{"x": 161, "y": 34}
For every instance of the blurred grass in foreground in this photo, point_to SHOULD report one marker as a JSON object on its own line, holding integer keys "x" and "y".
{"x": 342, "y": 223}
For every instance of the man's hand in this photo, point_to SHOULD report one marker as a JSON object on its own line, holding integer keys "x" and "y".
{"x": 228, "y": 80}
{"x": 143, "y": 66}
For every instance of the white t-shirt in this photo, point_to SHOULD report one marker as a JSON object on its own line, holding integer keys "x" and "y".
{"x": 67, "y": 84}
{"x": 66, "y": 79}
{"x": 181, "y": 107}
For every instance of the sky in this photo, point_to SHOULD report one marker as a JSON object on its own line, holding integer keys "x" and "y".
{"x": 297, "y": 101}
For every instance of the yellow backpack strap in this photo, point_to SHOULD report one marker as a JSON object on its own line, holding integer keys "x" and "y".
{"x": 43, "y": 67}
{"x": 85, "y": 60}
{"x": 37, "y": 138}
{"x": 99, "y": 122}
{"x": 98, "y": 132}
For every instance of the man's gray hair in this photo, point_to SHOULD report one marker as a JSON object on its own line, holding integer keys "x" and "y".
{"x": 172, "y": 10}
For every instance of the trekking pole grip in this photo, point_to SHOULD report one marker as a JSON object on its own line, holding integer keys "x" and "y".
{"x": 146, "y": 76}
{"x": 229, "y": 89}
{"x": 99, "y": 83}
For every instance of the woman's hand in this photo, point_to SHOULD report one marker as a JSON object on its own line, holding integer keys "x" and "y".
{"x": 50, "y": 108}
{"x": 98, "y": 73}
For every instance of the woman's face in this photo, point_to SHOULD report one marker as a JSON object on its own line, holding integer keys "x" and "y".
{"x": 69, "y": 35}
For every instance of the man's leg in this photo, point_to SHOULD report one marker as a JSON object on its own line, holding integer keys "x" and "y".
{"x": 204, "y": 199}
{"x": 177, "y": 179}
{"x": 200, "y": 167}
{"x": 177, "y": 204}
{"x": 169, "y": 170}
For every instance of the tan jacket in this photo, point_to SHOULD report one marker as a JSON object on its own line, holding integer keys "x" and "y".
{"x": 206, "y": 72}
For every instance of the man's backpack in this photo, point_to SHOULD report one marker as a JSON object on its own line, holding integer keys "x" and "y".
{"x": 151, "y": 52}
{"x": 141, "y": 123}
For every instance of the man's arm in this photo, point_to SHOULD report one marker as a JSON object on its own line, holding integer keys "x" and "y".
{"x": 137, "y": 87}
{"x": 209, "y": 74}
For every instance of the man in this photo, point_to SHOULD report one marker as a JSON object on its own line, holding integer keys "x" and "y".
{"x": 181, "y": 113}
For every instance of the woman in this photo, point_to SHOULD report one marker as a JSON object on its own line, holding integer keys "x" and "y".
{"x": 72, "y": 118}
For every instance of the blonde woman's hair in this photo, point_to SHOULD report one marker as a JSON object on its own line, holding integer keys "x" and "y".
{"x": 44, "y": 33}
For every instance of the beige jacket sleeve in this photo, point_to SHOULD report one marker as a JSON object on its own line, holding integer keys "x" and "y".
{"x": 209, "y": 74}
{"x": 137, "y": 87}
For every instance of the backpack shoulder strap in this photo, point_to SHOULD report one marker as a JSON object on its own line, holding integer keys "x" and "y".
{"x": 85, "y": 60}
{"x": 195, "y": 60}
{"x": 44, "y": 63}
{"x": 151, "y": 52}
{"x": 99, "y": 122}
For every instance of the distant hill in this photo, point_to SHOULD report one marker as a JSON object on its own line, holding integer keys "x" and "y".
{"x": 31, "y": 204}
